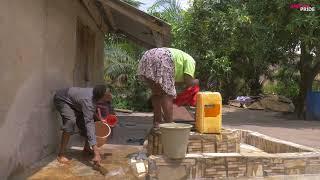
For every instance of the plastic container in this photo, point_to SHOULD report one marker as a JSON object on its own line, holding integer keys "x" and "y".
{"x": 174, "y": 138}
{"x": 313, "y": 106}
{"x": 103, "y": 130}
{"x": 111, "y": 119}
{"x": 209, "y": 112}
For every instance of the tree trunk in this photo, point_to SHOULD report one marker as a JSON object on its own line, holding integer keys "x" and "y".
{"x": 255, "y": 86}
{"x": 307, "y": 75}
{"x": 304, "y": 85}
{"x": 229, "y": 90}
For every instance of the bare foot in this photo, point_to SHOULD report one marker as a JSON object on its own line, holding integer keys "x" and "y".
{"x": 63, "y": 160}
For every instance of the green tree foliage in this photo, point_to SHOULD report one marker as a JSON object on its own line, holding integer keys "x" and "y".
{"x": 221, "y": 38}
{"x": 235, "y": 42}
{"x": 121, "y": 61}
{"x": 291, "y": 30}
{"x": 168, "y": 10}
{"x": 190, "y": 33}
{"x": 171, "y": 12}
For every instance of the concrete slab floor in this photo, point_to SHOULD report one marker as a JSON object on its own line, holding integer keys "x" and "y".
{"x": 115, "y": 152}
{"x": 115, "y": 161}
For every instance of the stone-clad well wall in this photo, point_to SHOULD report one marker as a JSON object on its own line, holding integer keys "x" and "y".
{"x": 212, "y": 158}
{"x": 270, "y": 144}
{"x": 226, "y": 165}
{"x": 226, "y": 142}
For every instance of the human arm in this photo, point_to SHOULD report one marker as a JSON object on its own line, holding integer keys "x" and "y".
{"x": 189, "y": 71}
{"x": 88, "y": 114}
{"x": 190, "y": 81}
{"x": 179, "y": 84}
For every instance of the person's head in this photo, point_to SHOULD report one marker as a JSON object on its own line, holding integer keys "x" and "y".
{"x": 99, "y": 91}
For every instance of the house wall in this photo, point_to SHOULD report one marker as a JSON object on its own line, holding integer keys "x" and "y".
{"x": 37, "y": 57}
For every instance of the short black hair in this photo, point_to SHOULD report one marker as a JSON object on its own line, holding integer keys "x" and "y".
{"x": 99, "y": 91}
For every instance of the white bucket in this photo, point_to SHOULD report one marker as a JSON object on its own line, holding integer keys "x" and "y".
{"x": 174, "y": 138}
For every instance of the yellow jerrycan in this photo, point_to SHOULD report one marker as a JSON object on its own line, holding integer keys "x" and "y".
{"x": 209, "y": 112}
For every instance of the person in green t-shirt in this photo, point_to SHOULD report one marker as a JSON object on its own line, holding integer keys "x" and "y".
{"x": 162, "y": 69}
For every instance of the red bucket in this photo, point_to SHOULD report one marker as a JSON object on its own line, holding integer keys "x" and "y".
{"x": 111, "y": 120}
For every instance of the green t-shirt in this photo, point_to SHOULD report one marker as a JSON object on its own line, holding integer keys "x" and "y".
{"x": 183, "y": 63}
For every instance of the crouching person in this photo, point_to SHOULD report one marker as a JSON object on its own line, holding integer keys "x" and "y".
{"x": 77, "y": 107}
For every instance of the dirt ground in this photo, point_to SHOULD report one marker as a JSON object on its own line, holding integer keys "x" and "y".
{"x": 278, "y": 125}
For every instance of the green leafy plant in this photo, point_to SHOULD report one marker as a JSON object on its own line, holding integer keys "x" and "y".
{"x": 121, "y": 62}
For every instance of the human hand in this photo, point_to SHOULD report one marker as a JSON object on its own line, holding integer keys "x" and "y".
{"x": 97, "y": 159}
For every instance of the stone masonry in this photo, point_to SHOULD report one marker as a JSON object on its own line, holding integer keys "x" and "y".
{"x": 276, "y": 158}
{"x": 270, "y": 144}
{"x": 226, "y": 142}
{"x": 226, "y": 165}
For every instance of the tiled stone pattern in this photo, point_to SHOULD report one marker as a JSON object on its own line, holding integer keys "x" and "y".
{"x": 211, "y": 157}
{"x": 226, "y": 142}
{"x": 231, "y": 165}
{"x": 312, "y": 165}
